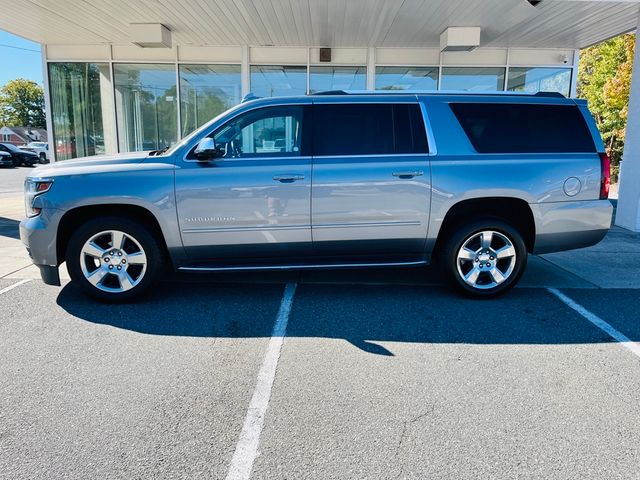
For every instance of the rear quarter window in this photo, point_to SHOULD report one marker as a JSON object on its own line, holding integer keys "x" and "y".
{"x": 524, "y": 128}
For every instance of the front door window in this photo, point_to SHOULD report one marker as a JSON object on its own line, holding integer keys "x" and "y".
{"x": 267, "y": 132}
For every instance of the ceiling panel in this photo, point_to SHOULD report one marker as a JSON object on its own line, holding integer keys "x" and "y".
{"x": 339, "y": 23}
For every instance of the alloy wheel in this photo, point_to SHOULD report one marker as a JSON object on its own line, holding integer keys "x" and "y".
{"x": 113, "y": 261}
{"x": 486, "y": 259}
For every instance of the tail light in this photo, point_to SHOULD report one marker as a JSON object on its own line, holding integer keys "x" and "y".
{"x": 605, "y": 177}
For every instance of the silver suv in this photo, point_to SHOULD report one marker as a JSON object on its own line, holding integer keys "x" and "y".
{"x": 472, "y": 182}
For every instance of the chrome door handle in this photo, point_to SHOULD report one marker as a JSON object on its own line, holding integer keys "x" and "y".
{"x": 287, "y": 178}
{"x": 416, "y": 173}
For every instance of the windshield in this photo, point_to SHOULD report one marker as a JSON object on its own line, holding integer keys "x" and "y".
{"x": 186, "y": 140}
{"x": 11, "y": 146}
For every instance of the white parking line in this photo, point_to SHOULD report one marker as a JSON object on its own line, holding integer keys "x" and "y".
{"x": 625, "y": 341}
{"x": 17, "y": 284}
{"x": 247, "y": 447}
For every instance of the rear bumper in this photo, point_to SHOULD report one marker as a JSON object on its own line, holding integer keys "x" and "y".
{"x": 570, "y": 225}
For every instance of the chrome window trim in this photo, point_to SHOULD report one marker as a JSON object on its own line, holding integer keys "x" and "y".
{"x": 373, "y": 155}
{"x": 412, "y": 99}
{"x": 245, "y": 159}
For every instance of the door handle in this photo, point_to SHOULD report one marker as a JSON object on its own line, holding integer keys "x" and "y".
{"x": 416, "y": 173}
{"x": 288, "y": 178}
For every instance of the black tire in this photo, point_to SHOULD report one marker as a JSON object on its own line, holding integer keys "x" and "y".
{"x": 42, "y": 158}
{"x": 449, "y": 262}
{"x": 144, "y": 236}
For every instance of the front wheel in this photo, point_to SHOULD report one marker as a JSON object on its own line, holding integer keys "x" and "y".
{"x": 485, "y": 258}
{"x": 114, "y": 259}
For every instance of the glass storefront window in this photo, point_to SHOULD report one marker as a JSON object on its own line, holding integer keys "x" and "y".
{"x": 407, "y": 78}
{"x": 146, "y": 106}
{"x": 278, "y": 81}
{"x": 207, "y": 91}
{"x": 325, "y": 78}
{"x": 77, "y": 91}
{"x": 473, "y": 78}
{"x": 540, "y": 79}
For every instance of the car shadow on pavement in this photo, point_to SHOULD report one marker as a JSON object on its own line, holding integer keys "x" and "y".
{"x": 9, "y": 228}
{"x": 364, "y": 315}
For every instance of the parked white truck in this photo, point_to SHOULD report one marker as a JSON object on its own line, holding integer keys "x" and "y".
{"x": 39, "y": 148}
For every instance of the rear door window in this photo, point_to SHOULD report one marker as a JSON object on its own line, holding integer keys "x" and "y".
{"x": 368, "y": 129}
{"x": 524, "y": 128}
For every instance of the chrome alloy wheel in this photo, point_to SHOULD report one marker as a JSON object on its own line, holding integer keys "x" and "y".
{"x": 113, "y": 261}
{"x": 486, "y": 259}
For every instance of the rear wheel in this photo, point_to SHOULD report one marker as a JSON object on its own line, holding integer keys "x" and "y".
{"x": 113, "y": 259}
{"x": 43, "y": 158}
{"x": 485, "y": 259}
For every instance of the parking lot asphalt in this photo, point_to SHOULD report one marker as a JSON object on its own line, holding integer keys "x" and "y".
{"x": 373, "y": 380}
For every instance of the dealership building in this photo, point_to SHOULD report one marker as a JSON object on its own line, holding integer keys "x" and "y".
{"x": 133, "y": 75}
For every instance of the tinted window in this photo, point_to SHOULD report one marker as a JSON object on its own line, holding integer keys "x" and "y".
{"x": 410, "y": 135}
{"x": 524, "y": 128}
{"x": 368, "y": 129}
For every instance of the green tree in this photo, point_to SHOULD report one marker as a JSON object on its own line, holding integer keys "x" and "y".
{"x": 604, "y": 79}
{"x": 22, "y": 104}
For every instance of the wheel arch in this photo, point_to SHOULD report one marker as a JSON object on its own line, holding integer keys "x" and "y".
{"x": 514, "y": 211}
{"x": 77, "y": 216}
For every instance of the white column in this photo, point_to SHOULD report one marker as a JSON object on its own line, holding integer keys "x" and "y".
{"x": 108, "y": 111}
{"x": 245, "y": 74}
{"x": 628, "y": 214}
{"x": 371, "y": 68}
{"x": 47, "y": 105}
{"x": 573, "y": 92}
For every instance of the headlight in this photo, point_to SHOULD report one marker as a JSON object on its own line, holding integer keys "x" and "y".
{"x": 34, "y": 187}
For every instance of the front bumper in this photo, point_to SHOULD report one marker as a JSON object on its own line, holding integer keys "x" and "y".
{"x": 50, "y": 275}
{"x": 569, "y": 225}
{"x": 38, "y": 234}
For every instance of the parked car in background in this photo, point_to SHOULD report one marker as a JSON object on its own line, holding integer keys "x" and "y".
{"x": 5, "y": 160}
{"x": 19, "y": 156}
{"x": 39, "y": 148}
{"x": 471, "y": 182}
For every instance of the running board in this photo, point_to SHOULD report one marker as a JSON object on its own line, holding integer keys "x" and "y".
{"x": 240, "y": 268}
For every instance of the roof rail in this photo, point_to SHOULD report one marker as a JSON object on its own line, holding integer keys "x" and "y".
{"x": 438, "y": 92}
{"x": 549, "y": 94}
{"x": 331, "y": 92}
{"x": 248, "y": 96}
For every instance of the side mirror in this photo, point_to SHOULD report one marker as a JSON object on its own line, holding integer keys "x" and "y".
{"x": 206, "y": 149}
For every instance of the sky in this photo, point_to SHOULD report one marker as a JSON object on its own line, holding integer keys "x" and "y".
{"x": 19, "y": 58}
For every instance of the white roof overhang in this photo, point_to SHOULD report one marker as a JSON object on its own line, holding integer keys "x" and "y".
{"x": 333, "y": 23}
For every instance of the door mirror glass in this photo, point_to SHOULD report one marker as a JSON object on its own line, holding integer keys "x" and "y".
{"x": 206, "y": 149}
